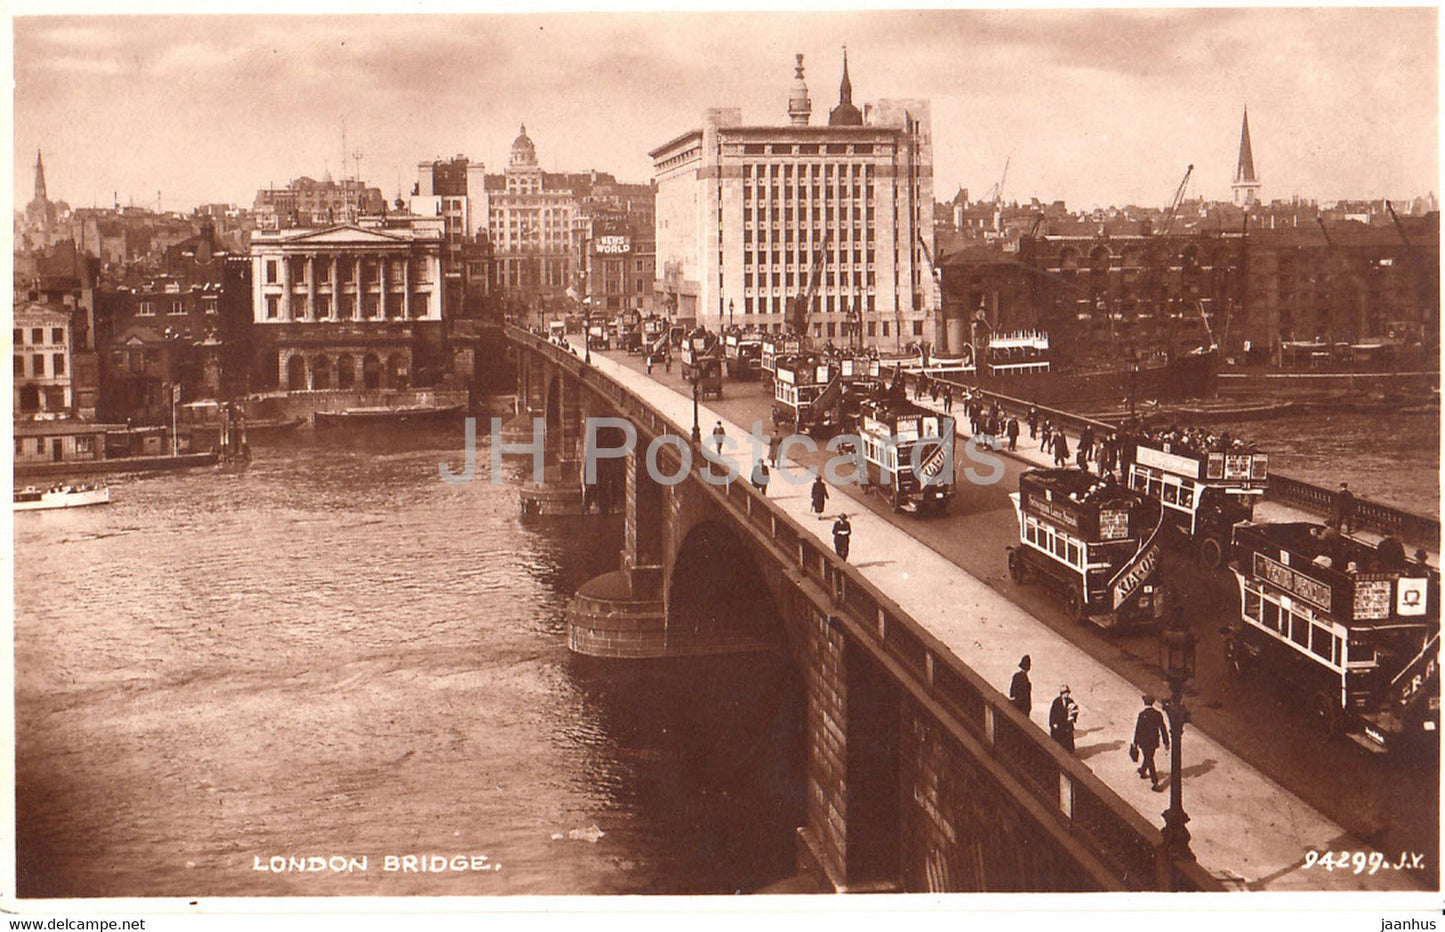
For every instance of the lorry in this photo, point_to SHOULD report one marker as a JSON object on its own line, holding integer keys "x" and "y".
{"x": 1351, "y": 628}
{"x": 1094, "y": 543}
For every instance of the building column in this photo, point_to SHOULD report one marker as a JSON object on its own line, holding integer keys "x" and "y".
{"x": 381, "y": 282}
{"x": 406, "y": 288}
{"x": 335, "y": 287}
{"x": 311, "y": 265}
{"x": 285, "y": 263}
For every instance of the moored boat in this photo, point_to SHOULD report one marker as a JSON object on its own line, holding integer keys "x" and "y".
{"x": 405, "y": 414}
{"x": 61, "y": 496}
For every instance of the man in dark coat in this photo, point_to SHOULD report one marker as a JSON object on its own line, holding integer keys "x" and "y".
{"x": 1063, "y": 714}
{"x": 1013, "y": 433}
{"x": 1021, "y": 691}
{"x": 842, "y": 532}
{"x": 1149, "y": 733}
{"x": 760, "y": 476}
{"x": 1344, "y": 516}
{"x": 820, "y": 496}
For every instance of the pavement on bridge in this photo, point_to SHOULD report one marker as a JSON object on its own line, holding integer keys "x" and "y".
{"x": 1246, "y": 829}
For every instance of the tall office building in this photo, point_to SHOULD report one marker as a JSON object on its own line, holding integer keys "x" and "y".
{"x": 752, "y": 218}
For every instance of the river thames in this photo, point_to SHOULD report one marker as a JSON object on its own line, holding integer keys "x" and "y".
{"x": 334, "y": 658}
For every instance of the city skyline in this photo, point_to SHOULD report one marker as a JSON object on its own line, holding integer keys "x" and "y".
{"x": 1096, "y": 108}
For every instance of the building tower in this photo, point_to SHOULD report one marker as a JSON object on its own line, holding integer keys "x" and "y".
{"x": 1246, "y": 185}
{"x": 845, "y": 114}
{"x": 800, "y": 105}
{"x": 39, "y": 178}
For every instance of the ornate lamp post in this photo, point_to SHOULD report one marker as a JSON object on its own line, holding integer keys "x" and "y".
{"x": 730, "y": 313}
{"x": 1176, "y": 647}
{"x": 587, "y": 331}
{"x": 695, "y": 343}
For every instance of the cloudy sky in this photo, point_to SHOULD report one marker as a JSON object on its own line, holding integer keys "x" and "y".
{"x": 1103, "y": 107}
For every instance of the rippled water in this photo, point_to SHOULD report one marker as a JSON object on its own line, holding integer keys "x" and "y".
{"x": 333, "y": 653}
{"x": 1391, "y": 458}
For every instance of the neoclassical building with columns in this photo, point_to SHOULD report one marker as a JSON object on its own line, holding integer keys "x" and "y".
{"x": 348, "y": 307}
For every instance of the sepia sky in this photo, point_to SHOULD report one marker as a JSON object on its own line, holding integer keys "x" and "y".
{"x": 1097, "y": 108}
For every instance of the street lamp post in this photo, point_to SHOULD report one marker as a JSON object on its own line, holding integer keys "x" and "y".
{"x": 587, "y": 331}
{"x": 1177, "y": 644}
{"x": 730, "y": 313}
{"x": 1133, "y": 377}
{"x": 696, "y": 428}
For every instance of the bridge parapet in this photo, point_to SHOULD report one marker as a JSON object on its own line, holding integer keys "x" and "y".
{"x": 1414, "y": 529}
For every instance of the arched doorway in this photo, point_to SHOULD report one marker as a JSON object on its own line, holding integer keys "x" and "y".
{"x": 345, "y": 371}
{"x": 371, "y": 371}
{"x": 396, "y": 371}
{"x": 321, "y": 372}
{"x": 295, "y": 373}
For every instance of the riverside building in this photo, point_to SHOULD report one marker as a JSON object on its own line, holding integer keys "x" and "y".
{"x": 751, "y": 218}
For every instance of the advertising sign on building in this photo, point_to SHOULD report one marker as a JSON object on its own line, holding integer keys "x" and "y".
{"x": 612, "y": 244}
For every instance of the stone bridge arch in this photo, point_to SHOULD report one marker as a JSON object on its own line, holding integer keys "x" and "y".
{"x": 716, "y": 595}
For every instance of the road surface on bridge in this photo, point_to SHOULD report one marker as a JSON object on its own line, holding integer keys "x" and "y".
{"x": 1388, "y": 803}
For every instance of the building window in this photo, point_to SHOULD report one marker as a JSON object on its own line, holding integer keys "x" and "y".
{"x": 85, "y": 445}
{"x": 19, "y": 445}
{"x": 37, "y": 365}
{"x": 270, "y": 271}
{"x": 19, "y": 336}
{"x": 178, "y": 307}
{"x": 57, "y": 335}
{"x": 323, "y": 305}
{"x": 37, "y": 336}
{"x": 273, "y": 307}
{"x": 885, "y": 328}
{"x": 918, "y": 328}
{"x": 418, "y": 305}
{"x": 57, "y": 362}
{"x": 19, "y": 367}
{"x": 323, "y": 271}
{"x": 146, "y": 309}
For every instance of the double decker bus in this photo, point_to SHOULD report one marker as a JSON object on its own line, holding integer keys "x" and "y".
{"x": 908, "y": 452}
{"x": 775, "y": 346}
{"x": 1203, "y": 493}
{"x": 1091, "y": 541}
{"x": 1353, "y": 628}
{"x": 702, "y": 363}
{"x": 805, "y": 394}
{"x": 743, "y": 350}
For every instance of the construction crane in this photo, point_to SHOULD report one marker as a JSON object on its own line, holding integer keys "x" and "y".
{"x": 803, "y": 303}
{"x": 996, "y": 195}
{"x": 1178, "y": 199}
{"x": 1399, "y": 227}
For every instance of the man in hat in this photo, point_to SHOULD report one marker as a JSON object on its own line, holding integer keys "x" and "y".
{"x": 820, "y": 496}
{"x": 1021, "y": 691}
{"x": 842, "y": 532}
{"x": 1063, "y": 714}
{"x": 1149, "y": 733}
{"x": 1344, "y": 516}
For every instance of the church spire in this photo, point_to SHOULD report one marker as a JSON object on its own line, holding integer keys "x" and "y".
{"x": 1246, "y": 183}
{"x": 845, "y": 114}
{"x": 39, "y": 178}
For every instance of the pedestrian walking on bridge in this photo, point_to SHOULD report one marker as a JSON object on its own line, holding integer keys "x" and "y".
{"x": 842, "y": 533}
{"x": 1021, "y": 691}
{"x": 1063, "y": 715}
{"x": 1149, "y": 733}
{"x": 760, "y": 477}
{"x": 1344, "y": 513}
{"x": 820, "y": 496}
{"x": 717, "y": 435}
